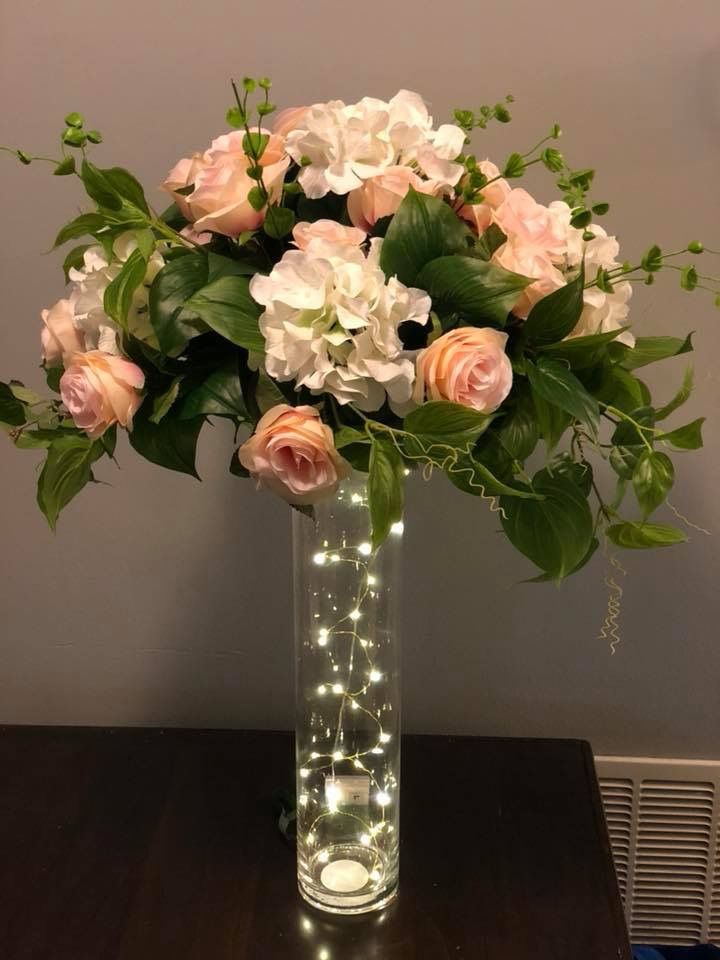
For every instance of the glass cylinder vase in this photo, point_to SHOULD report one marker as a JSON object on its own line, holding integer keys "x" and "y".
{"x": 348, "y": 704}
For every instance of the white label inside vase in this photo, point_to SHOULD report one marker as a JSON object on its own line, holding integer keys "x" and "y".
{"x": 348, "y": 791}
{"x": 344, "y": 876}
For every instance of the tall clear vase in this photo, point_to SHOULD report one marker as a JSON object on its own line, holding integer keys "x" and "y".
{"x": 348, "y": 705}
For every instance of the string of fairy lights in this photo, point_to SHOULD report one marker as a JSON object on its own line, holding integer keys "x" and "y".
{"x": 352, "y": 685}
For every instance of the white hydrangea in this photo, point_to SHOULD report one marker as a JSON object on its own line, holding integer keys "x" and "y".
{"x": 88, "y": 286}
{"x": 331, "y": 324}
{"x": 603, "y": 312}
{"x": 346, "y": 144}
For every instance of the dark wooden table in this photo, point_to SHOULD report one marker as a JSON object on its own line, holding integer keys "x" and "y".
{"x": 161, "y": 845}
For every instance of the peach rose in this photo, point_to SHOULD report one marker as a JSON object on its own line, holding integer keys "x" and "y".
{"x": 292, "y": 452}
{"x": 529, "y": 262}
{"x": 59, "y": 334}
{"x": 525, "y": 221}
{"x": 219, "y": 203}
{"x": 381, "y": 196}
{"x": 100, "y": 389}
{"x": 480, "y": 215}
{"x": 182, "y": 175}
{"x": 468, "y": 366}
{"x": 328, "y": 230}
{"x": 288, "y": 119}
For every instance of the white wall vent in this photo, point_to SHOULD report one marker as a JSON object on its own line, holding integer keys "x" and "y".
{"x": 663, "y": 818}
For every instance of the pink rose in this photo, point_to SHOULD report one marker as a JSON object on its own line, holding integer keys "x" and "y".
{"x": 529, "y": 262}
{"x": 292, "y": 452}
{"x": 328, "y": 230}
{"x": 525, "y": 221}
{"x": 468, "y": 366}
{"x": 182, "y": 175}
{"x": 480, "y": 215}
{"x": 381, "y": 196}
{"x": 59, "y": 334}
{"x": 288, "y": 119}
{"x": 100, "y": 389}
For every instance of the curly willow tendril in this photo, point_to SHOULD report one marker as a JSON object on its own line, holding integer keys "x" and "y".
{"x": 610, "y": 630}
{"x": 683, "y": 519}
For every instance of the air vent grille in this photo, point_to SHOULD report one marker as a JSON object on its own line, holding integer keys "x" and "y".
{"x": 662, "y": 819}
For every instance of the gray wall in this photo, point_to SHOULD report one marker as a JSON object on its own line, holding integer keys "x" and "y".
{"x": 165, "y": 601}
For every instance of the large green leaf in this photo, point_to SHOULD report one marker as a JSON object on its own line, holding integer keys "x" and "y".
{"x": 652, "y": 480}
{"x": 552, "y": 381}
{"x": 110, "y": 187}
{"x": 650, "y": 350}
{"x": 218, "y": 396}
{"x": 688, "y": 437}
{"x": 479, "y": 292}
{"x": 555, "y": 533}
{"x": 385, "y": 488}
{"x": 170, "y": 290}
{"x": 442, "y": 422}
{"x": 12, "y": 412}
{"x": 581, "y": 352}
{"x": 81, "y": 226}
{"x": 226, "y": 306}
{"x": 67, "y": 468}
{"x": 552, "y": 421}
{"x": 423, "y": 229}
{"x": 120, "y": 291}
{"x": 644, "y": 536}
{"x": 555, "y": 316}
{"x": 518, "y": 431}
{"x": 171, "y": 443}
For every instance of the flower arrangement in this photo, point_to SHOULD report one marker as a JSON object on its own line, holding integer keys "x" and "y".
{"x": 352, "y": 286}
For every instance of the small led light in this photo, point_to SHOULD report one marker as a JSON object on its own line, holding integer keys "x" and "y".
{"x": 365, "y": 549}
{"x": 314, "y": 756}
{"x": 375, "y": 676}
{"x": 304, "y": 772}
{"x": 338, "y": 688}
{"x": 384, "y": 738}
{"x": 371, "y": 580}
{"x": 338, "y": 755}
{"x": 319, "y": 559}
{"x": 321, "y": 689}
{"x": 363, "y": 643}
{"x": 406, "y": 472}
{"x": 323, "y": 856}
{"x": 356, "y": 498}
{"x": 355, "y": 705}
{"x": 382, "y": 798}
{"x": 375, "y": 876}
{"x": 323, "y": 954}
{"x": 365, "y": 839}
{"x": 358, "y": 764}
{"x": 334, "y": 558}
{"x": 306, "y": 925}
{"x": 311, "y": 837}
{"x": 397, "y": 528}
{"x": 354, "y": 615}
{"x": 322, "y": 641}
{"x": 377, "y": 750}
{"x": 303, "y": 799}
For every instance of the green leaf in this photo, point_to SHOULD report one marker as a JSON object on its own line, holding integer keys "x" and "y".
{"x": 519, "y": 430}
{"x": 423, "y": 229}
{"x": 555, "y": 533}
{"x": 254, "y": 143}
{"x": 52, "y": 377}
{"x": 235, "y": 117}
{"x": 67, "y": 468}
{"x": 688, "y": 437}
{"x": 644, "y": 536}
{"x": 385, "y": 488}
{"x": 624, "y": 460}
{"x": 171, "y": 443}
{"x": 164, "y": 401}
{"x": 652, "y": 479}
{"x": 279, "y": 221}
{"x": 236, "y": 468}
{"x": 489, "y": 241}
{"x": 75, "y": 259}
{"x": 552, "y": 421}
{"x": 680, "y": 397}
{"x": 471, "y": 476}
{"x": 580, "y": 472}
{"x": 227, "y": 307}
{"x": 480, "y": 292}
{"x": 347, "y": 435}
{"x": 110, "y": 187}
{"x": 621, "y": 389}
{"x": 120, "y": 291}
{"x": 651, "y": 349}
{"x": 170, "y": 290}
{"x": 652, "y": 261}
{"x": 74, "y": 119}
{"x": 552, "y": 381}
{"x": 555, "y": 316}
{"x": 545, "y": 577}
{"x": 626, "y": 434}
{"x": 218, "y": 396}
{"x": 65, "y": 167}
{"x": 442, "y": 422}
{"x": 12, "y": 412}
{"x": 23, "y": 393}
{"x": 514, "y": 166}
{"x": 86, "y": 223}
{"x": 581, "y": 352}
{"x": 35, "y": 439}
